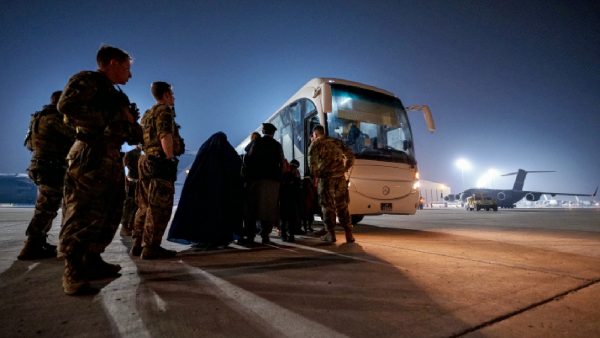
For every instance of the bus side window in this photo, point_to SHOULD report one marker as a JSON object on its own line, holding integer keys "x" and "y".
{"x": 297, "y": 130}
{"x": 285, "y": 133}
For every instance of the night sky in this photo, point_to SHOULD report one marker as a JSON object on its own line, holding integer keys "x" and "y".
{"x": 512, "y": 84}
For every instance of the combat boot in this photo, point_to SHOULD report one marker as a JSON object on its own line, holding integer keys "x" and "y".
{"x": 97, "y": 268}
{"x": 157, "y": 252}
{"x": 136, "y": 247}
{"x": 36, "y": 249}
{"x": 73, "y": 281}
{"x": 349, "y": 236}
{"x": 329, "y": 237}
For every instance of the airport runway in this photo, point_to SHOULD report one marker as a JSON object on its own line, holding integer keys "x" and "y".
{"x": 439, "y": 273}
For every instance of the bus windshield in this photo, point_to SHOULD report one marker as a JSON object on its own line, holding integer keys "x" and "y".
{"x": 372, "y": 124}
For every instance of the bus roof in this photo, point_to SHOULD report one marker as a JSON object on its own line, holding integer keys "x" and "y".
{"x": 310, "y": 86}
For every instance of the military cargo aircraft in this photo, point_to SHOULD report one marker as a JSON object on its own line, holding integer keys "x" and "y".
{"x": 507, "y": 198}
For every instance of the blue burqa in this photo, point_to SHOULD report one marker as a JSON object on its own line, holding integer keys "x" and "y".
{"x": 211, "y": 204}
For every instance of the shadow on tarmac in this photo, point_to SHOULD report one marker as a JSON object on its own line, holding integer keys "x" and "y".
{"x": 33, "y": 303}
{"x": 339, "y": 287}
{"x": 429, "y": 284}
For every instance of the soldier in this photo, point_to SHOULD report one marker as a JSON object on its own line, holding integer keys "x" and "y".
{"x": 158, "y": 172}
{"x": 329, "y": 160}
{"x": 264, "y": 167}
{"x": 104, "y": 119}
{"x": 49, "y": 139}
{"x": 130, "y": 161}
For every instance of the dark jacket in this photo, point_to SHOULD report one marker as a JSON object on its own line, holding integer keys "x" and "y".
{"x": 264, "y": 160}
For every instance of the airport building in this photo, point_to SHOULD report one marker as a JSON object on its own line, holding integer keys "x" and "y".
{"x": 434, "y": 193}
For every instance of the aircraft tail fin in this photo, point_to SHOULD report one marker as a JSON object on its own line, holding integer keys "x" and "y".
{"x": 520, "y": 180}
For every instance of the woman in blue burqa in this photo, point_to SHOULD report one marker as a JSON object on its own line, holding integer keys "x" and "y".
{"x": 210, "y": 207}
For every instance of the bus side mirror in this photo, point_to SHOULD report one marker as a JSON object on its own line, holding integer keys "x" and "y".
{"x": 428, "y": 119}
{"x": 326, "y": 98}
{"x": 426, "y": 114}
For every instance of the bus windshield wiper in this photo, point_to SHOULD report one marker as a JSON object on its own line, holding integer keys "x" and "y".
{"x": 386, "y": 154}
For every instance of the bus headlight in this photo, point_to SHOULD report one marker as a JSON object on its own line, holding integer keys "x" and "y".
{"x": 416, "y": 184}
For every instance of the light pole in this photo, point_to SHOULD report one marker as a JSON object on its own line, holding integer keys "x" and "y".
{"x": 463, "y": 165}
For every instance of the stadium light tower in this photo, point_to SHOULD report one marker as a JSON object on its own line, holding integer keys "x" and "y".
{"x": 463, "y": 165}
{"x": 492, "y": 173}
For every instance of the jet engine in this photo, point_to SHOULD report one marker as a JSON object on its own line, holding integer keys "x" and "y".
{"x": 452, "y": 198}
{"x": 532, "y": 197}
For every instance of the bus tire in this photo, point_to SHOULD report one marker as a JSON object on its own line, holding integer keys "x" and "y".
{"x": 356, "y": 218}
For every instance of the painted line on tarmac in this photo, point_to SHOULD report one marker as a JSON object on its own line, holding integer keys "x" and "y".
{"x": 119, "y": 300}
{"x": 279, "y": 319}
{"x": 329, "y": 252}
{"x": 160, "y": 303}
{"x": 32, "y": 266}
{"x": 238, "y": 247}
{"x": 280, "y": 247}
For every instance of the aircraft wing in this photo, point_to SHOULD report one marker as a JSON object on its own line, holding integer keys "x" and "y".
{"x": 564, "y": 193}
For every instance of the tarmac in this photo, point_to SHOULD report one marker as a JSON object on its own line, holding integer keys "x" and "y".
{"x": 439, "y": 273}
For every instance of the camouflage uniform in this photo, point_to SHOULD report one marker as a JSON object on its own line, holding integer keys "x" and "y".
{"x": 49, "y": 139}
{"x": 156, "y": 185}
{"x": 141, "y": 200}
{"x": 130, "y": 160}
{"x": 94, "y": 183}
{"x": 329, "y": 161}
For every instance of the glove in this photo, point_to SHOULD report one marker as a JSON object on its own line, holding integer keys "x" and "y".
{"x": 170, "y": 168}
{"x": 164, "y": 169}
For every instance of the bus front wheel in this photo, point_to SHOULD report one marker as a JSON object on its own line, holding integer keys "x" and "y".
{"x": 357, "y": 218}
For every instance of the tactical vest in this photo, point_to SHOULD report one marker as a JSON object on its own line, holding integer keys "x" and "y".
{"x": 49, "y": 137}
{"x": 326, "y": 157}
{"x": 95, "y": 107}
{"x": 152, "y": 130}
{"x": 28, "y": 143}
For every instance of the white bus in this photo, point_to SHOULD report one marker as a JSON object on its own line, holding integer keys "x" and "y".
{"x": 374, "y": 124}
